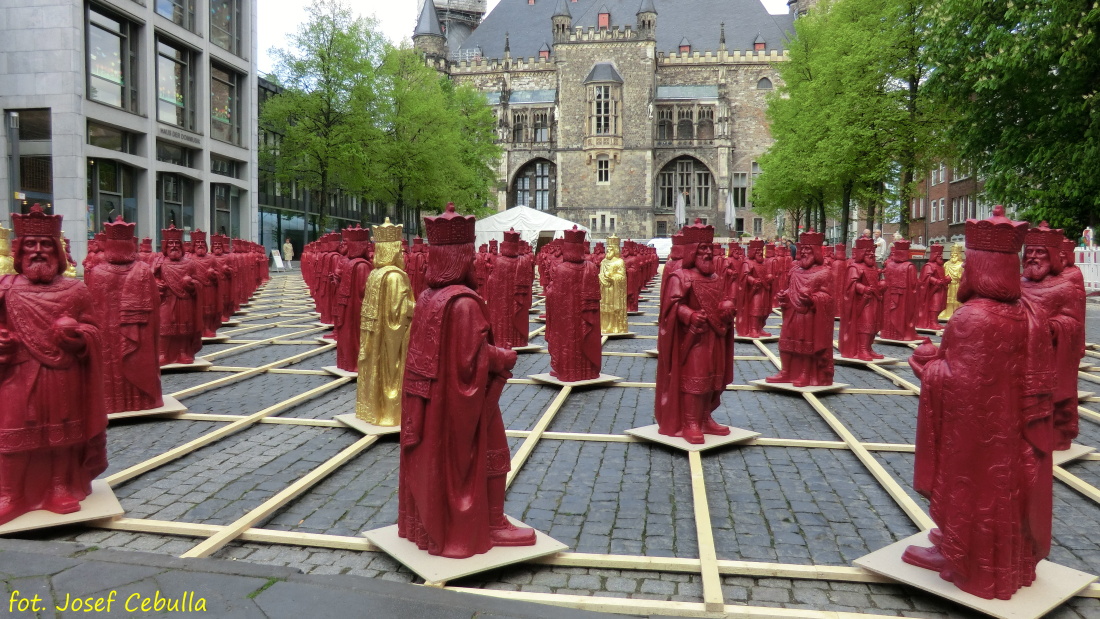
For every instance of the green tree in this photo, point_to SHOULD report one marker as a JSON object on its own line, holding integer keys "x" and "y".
{"x": 1023, "y": 77}
{"x": 324, "y": 113}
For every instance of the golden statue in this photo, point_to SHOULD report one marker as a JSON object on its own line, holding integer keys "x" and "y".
{"x": 70, "y": 270}
{"x": 7, "y": 265}
{"x": 388, "y": 305}
{"x": 953, "y": 268}
{"x": 613, "y": 290}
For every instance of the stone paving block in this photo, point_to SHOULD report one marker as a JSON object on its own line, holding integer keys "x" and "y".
{"x": 339, "y": 401}
{"x": 607, "y": 410}
{"x": 876, "y": 418}
{"x": 253, "y": 394}
{"x": 521, "y": 406}
{"x": 178, "y": 381}
{"x": 263, "y": 355}
{"x": 772, "y": 414}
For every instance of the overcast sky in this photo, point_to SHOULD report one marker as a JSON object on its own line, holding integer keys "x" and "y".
{"x": 278, "y": 18}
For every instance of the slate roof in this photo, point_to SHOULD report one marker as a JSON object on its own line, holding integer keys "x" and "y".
{"x": 697, "y": 20}
{"x": 603, "y": 72}
{"x": 428, "y": 22}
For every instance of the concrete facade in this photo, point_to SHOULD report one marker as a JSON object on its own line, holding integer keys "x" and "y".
{"x": 97, "y": 147}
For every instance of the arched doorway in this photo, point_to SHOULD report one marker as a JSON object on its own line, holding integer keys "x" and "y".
{"x": 685, "y": 177}
{"x": 535, "y": 185}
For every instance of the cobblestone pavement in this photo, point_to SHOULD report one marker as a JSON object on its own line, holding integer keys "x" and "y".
{"x": 626, "y": 509}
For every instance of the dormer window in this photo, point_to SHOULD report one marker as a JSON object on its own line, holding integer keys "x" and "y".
{"x": 603, "y": 19}
{"x": 758, "y": 45}
{"x": 685, "y": 46}
{"x": 544, "y": 51}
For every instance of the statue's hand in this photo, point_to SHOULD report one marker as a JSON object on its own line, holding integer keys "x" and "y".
{"x": 698, "y": 321}
{"x": 67, "y": 333}
{"x": 8, "y": 345}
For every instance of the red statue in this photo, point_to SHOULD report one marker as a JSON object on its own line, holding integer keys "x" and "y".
{"x": 573, "y": 314}
{"x": 127, "y": 304}
{"x": 180, "y": 310}
{"x": 509, "y": 293}
{"x": 806, "y": 340}
{"x": 932, "y": 290}
{"x": 694, "y": 343}
{"x": 779, "y": 263}
{"x": 349, "y": 298}
{"x": 415, "y": 265}
{"x": 756, "y": 293}
{"x": 454, "y": 453}
{"x": 840, "y": 274}
{"x": 53, "y": 439}
{"x": 1048, "y": 286}
{"x": 861, "y": 309}
{"x": 899, "y": 310}
{"x": 735, "y": 259}
{"x": 209, "y": 280}
{"x": 984, "y": 434}
{"x": 226, "y": 274}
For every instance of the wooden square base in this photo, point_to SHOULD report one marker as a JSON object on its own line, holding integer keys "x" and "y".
{"x": 1081, "y": 395}
{"x": 369, "y": 429}
{"x": 604, "y": 379}
{"x": 652, "y": 352}
{"x": 621, "y": 336}
{"x": 198, "y": 365}
{"x": 321, "y": 324}
{"x": 231, "y": 323}
{"x": 1053, "y": 584}
{"x": 438, "y": 569}
{"x": 883, "y": 340}
{"x": 171, "y": 405}
{"x": 769, "y": 338}
{"x": 930, "y": 331}
{"x": 850, "y": 361}
{"x": 101, "y": 503}
{"x": 240, "y": 313}
{"x": 217, "y": 339}
{"x": 637, "y": 313}
{"x": 736, "y": 435}
{"x": 790, "y": 387}
{"x": 332, "y": 369}
{"x": 1074, "y": 452}
{"x": 325, "y": 340}
{"x": 527, "y": 349}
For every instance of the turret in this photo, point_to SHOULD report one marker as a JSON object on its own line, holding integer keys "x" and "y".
{"x": 647, "y": 20}
{"x": 428, "y": 37}
{"x": 562, "y": 21}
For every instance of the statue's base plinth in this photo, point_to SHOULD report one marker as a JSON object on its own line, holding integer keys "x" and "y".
{"x": 621, "y": 336}
{"x": 604, "y": 379}
{"x": 850, "y": 361}
{"x": 652, "y": 352}
{"x": 766, "y": 338}
{"x": 332, "y": 369}
{"x": 1081, "y": 395}
{"x": 231, "y": 323}
{"x": 883, "y": 340}
{"x": 736, "y": 435}
{"x": 439, "y": 569}
{"x": 369, "y": 429}
{"x": 1074, "y": 452}
{"x": 198, "y": 365}
{"x": 217, "y": 339}
{"x": 321, "y": 324}
{"x": 1053, "y": 584}
{"x": 325, "y": 340}
{"x": 100, "y": 504}
{"x": 171, "y": 405}
{"x": 240, "y": 313}
{"x": 790, "y": 387}
{"x": 635, "y": 313}
{"x": 527, "y": 349}
{"x": 930, "y": 331}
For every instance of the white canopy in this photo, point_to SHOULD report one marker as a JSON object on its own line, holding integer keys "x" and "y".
{"x": 525, "y": 220}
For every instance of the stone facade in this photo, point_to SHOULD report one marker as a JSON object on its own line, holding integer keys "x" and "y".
{"x": 604, "y": 129}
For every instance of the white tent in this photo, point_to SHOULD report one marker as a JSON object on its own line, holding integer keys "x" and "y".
{"x": 530, "y": 223}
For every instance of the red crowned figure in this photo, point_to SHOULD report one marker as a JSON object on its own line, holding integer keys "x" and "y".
{"x": 756, "y": 293}
{"x": 573, "y": 313}
{"x": 180, "y": 310}
{"x": 861, "y": 305}
{"x": 509, "y": 293}
{"x": 806, "y": 340}
{"x": 209, "y": 278}
{"x": 899, "y": 306}
{"x": 127, "y": 304}
{"x": 932, "y": 290}
{"x": 52, "y": 424}
{"x": 349, "y": 298}
{"x": 983, "y": 442}
{"x": 219, "y": 246}
{"x": 840, "y": 274}
{"x": 454, "y": 453}
{"x": 694, "y": 342}
{"x": 1048, "y": 286}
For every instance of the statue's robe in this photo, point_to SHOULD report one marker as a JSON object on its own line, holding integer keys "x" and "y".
{"x": 509, "y": 292}
{"x": 386, "y": 312}
{"x": 180, "y": 311}
{"x": 573, "y": 322}
{"x": 899, "y": 305}
{"x": 349, "y": 308}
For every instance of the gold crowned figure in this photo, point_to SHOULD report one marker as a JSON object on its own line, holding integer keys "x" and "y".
{"x": 613, "y": 289}
{"x": 70, "y": 270}
{"x": 388, "y": 305}
{"x": 953, "y": 268}
{"x": 7, "y": 265}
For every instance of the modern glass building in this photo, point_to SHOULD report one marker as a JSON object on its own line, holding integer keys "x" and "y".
{"x": 140, "y": 108}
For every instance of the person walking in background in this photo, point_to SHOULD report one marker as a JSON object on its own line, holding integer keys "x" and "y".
{"x": 881, "y": 250}
{"x": 288, "y": 252}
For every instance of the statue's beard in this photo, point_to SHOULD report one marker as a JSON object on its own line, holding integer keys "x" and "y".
{"x": 1036, "y": 271}
{"x": 705, "y": 265}
{"x": 175, "y": 254}
{"x": 200, "y": 251}
{"x": 40, "y": 270}
{"x": 806, "y": 262}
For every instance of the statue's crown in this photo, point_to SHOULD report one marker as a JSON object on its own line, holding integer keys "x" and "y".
{"x": 146, "y": 244}
{"x": 613, "y": 241}
{"x": 997, "y": 234}
{"x": 902, "y": 245}
{"x": 576, "y": 235}
{"x": 36, "y": 223}
{"x": 679, "y": 239}
{"x": 198, "y": 236}
{"x": 1045, "y": 236}
{"x": 810, "y": 237}
{"x": 119, "y": 230}
{"x": 387, "y": 232}
{"x": 450, "y": 228}
{"x": 862, "y": 243}
{"x": 5, "y": 234}
{"x": 511, "y": 236}
{"x": 840, "y": 250}
{"x": 756, "y": 244}
{"x": 935, "y": 250}
{"x": 419, "y": 241}
{"x": 698, "y": 233}
{"x": 359, "y": 234}
{"x": 172, "y": 234}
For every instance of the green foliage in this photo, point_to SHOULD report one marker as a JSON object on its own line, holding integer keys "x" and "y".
{"x": 1023, "y": 76}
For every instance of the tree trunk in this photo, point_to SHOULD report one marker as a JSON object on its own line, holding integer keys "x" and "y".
{"x": 845, "y": 211}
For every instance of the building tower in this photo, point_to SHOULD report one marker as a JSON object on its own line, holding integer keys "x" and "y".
{"x": 647, "y": 20}
{"x": 428, "y": 37}
{"x": 457, "y": 19}
{"x": 562, "y": 22}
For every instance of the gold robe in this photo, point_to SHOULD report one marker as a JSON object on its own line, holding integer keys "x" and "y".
{"x": 387, "y": 311}
{"x": 613, "y": 295}
{"x": 954, "y": 270}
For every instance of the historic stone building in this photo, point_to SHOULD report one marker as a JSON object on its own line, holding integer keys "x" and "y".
{"x": 613, "y": 111}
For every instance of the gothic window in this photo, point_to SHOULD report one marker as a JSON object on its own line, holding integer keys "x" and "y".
{"x": 603, "y": 169}
{"x": 664, "y": 123}
{"x": 519, "y": 122}
{"x": 542, "y": 126}
{"x": 687, "y": 179}
{"x": 534, "y": 186}
{"x": 685, "y": 127}
{"x": 764, "y": 84}
{"x": 604, "y": 107}
{"x": 706, "y": 124}
{"x": 740, "y": 189}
